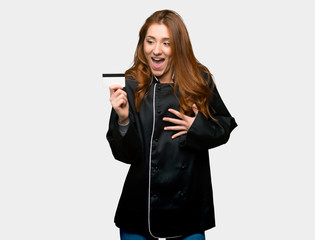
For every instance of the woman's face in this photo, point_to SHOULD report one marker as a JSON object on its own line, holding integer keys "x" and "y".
{"x": 158, "y": 52}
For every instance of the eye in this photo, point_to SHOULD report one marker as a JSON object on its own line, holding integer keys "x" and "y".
{"x": 149, "y": 41}
{"x": 167, "y": 44}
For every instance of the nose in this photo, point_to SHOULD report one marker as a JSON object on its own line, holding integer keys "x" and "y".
{"x": 157, "y": 50}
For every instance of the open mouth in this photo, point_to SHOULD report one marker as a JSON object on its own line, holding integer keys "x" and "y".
{"x": 157, "y": 62}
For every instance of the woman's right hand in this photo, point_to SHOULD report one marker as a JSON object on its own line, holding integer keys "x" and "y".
{"x": 119, "y": 101}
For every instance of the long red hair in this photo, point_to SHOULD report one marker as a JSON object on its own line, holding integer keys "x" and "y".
{"x": 189, "y": 78}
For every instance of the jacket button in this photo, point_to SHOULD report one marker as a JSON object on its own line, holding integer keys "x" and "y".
{"x": 156, "y": 139}
{"x": 155, "y": 167}
{"x": 183, "y": 166}
{"x": 159, "y": 87}
{"x": 159, "y": 111}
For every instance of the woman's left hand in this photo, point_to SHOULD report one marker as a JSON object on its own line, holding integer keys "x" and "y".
{"x": 183, "y": 124}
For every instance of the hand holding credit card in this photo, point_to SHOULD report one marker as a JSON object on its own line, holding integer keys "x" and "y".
{"x": 113, "y": 78}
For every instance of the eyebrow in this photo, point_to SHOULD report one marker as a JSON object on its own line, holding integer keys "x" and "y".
{"x": 164, "y": 39}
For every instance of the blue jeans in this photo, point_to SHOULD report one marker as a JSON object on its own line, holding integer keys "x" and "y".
{"x": 124, "y": 235}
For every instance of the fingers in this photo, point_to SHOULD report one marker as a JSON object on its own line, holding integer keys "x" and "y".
{"x": 182, "y": 129}
{"x": 182, "y": 116}
{"x": 117, "y": 95}
{"x": 179, "y": 134}
{"x": 176, "y": 113}
{"x": 119, "y": 101}
{"x": 183, "y": 124}
{"x": 173, "y": 120}
{"x": 195, "y": 109}
{"x": 176, "y": 128}
{"x": 114, "y": 88}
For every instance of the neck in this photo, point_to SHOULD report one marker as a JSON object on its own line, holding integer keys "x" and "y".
{"x": 165, "y": 81}
{"x": 165, "y": 78}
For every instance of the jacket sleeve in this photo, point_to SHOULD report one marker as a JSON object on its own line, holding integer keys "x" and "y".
{"x": 208, "y": 133}
{"x": 124, "y": 148}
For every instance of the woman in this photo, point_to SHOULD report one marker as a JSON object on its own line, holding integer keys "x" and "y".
{"x": 162, "y": 124}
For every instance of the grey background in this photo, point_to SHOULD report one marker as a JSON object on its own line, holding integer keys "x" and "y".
{"x": 58, "y": 179}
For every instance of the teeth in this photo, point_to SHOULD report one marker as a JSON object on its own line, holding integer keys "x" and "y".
{"x": 157, "y": 59}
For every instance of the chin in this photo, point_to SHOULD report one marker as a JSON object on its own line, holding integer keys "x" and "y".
{"x": 157, "y": 73}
